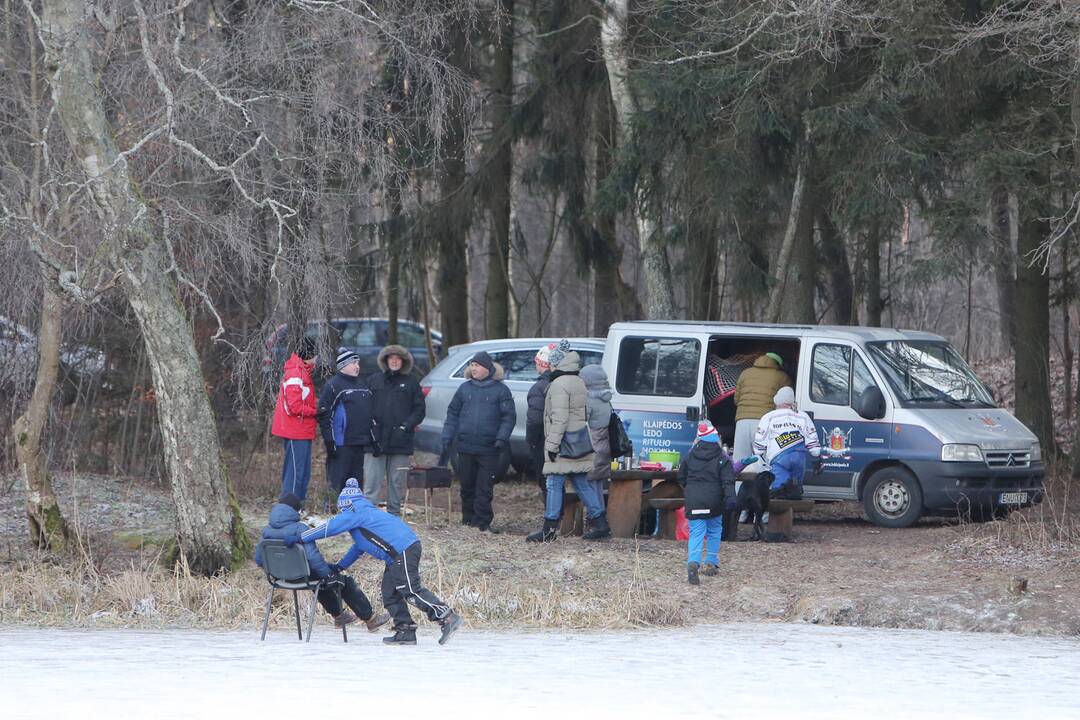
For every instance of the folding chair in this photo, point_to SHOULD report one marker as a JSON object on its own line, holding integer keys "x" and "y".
{"x": 287, "y": 568}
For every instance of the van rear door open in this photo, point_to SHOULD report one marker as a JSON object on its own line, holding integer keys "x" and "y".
{"x": 656, "y": 380}
{"x": 830, "y": 385}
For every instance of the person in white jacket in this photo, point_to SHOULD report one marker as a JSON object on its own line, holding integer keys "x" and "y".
{"x": 784, "y": 438}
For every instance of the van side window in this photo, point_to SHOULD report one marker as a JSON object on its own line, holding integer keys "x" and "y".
{"x": 860, "y": 378}
{"x": 667, "y": 367}
{"x": 829, "y": 377}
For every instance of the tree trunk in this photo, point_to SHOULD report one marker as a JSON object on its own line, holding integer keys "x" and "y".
{"x": 795, "y": 227}
{"x": 842, "y": 310}
{"x": 1004, "y": 264}
{"x": 210, "y": 532}
{"x": 497, "y": 294}
{"x": 48, "y": 530}
{"x": 875, "y": 306}
{"x": 392, "y": 246}
{"x": 614, "y": 299}
{"x": 452, "y": 218}
{"x": 654, "y": 261}
{"x": 1032, "y": 356}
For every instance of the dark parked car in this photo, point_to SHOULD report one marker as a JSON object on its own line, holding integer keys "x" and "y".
{"x": 365, "y": 336}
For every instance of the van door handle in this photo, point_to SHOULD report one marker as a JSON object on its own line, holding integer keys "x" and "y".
{"x": 692, "y": 413}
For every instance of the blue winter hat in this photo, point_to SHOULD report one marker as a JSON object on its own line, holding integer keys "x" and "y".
{"x": 350, "y": 492}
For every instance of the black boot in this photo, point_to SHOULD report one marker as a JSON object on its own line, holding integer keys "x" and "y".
{"x": 549, "y": 532}
{"x": 598, "y": 528}
{"x": 403, "y": 635}
{"x": 692, "y": 573}
{"x": 450, "y": 625}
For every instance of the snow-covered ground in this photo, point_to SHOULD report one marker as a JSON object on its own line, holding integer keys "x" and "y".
{"x": 759, "y": 671}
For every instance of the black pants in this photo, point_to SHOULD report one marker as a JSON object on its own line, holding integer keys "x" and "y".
{"x": 351, "y": 593}
{"x": 348, "y": 463}
{"x": 401, "y": 585}
{"x": 477, "y": 476}
{"x": 536, "y": 469}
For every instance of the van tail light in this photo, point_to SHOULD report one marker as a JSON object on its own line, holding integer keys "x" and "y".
{"x": 425, "y": 389}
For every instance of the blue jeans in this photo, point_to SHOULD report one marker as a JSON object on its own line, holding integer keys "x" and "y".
{"x": 585, "y": 488}
{"x": 788, "y": 466}
{"x": 296, "y": 470}
{"x": 707, "y": 532}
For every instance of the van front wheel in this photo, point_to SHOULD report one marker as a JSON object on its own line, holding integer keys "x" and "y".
{"x": 892, "y": 498}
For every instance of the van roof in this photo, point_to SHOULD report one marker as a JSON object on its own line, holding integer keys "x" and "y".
{"x": 846, "y": 332}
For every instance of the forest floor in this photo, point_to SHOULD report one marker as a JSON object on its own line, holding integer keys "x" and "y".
{"x": 939, "y": 574}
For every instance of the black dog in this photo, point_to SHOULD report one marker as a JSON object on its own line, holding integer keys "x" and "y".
{"x": 753, "y": 497}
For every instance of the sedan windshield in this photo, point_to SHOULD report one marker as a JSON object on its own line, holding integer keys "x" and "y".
{"x": 926, "y": 372}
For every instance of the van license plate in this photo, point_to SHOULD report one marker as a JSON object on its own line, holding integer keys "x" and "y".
{"x": 1013, "y": 498}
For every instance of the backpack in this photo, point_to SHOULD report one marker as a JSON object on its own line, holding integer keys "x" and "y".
{"x": 618, "y": 440}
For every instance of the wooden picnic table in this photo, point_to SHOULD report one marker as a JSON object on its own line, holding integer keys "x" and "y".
{"x": 625, "y": 498}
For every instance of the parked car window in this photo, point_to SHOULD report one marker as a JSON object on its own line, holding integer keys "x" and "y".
{"x": 411, "y": 336}
{"x": 860, "y": 378}
{"x": 358, "y": 333}
{"x": 519, "y": 365}
{"x": 667, "y": 367}
{"x": 829, "y": 380}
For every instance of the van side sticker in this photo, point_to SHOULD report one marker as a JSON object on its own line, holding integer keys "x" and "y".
{"x": 838, "y": 445}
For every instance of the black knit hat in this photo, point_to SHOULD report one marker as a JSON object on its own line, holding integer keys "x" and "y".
{"x": 346, "y": 356}
{"x": 291, "y": 500}
{"x": 484, "y": 360}
{"x": 306, "y": 349}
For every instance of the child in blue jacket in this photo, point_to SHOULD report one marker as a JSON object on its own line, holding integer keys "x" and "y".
{"x": 386, "y": 537}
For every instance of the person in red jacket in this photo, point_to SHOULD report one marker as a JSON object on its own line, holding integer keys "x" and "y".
{"x": 294, "y": 419}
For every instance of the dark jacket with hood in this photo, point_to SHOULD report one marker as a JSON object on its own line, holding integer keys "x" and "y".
{"x": 707, "y": 479}
{"x": 481, "y": 412}
{"x": 345, "y": 411}
{"x": 285, "y": 525}
{"x": 534, "y": 415}
{"x": 398, "y": 404}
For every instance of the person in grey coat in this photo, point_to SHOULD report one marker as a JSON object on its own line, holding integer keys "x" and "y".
{"x": 598, "y": 415}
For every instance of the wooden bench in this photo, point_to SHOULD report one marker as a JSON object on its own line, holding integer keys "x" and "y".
{"x": 625, "y": 493}
{"x": 782, "y": 517}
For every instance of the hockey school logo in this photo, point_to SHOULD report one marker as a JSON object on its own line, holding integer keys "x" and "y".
{"x": 838, "y": 444}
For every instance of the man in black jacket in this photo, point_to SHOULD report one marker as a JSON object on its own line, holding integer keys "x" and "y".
{"x": 479, "y": 421}
{"x": 708, "y": 480}
{"x": 398, "y": 409}
{"x": 345, "y": 420}
{"x": 534, "y": 417}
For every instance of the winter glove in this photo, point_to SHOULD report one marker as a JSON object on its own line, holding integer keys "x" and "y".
{"x": 335, "y": 569}
{"x": 749, "y": 460}
{"x": 551, "y": 456}
{"x": 376, "y": 450}
{"x": 331, "y": 449}
{"x": 730, "y": 504}
{"x": 817, "y": 466}
{"x": 501, "y": 445}
{"x": 291, "y": 539}
{"x": 444, "y": 456}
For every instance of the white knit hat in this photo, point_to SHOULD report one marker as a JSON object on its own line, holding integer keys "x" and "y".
{"x": 784, "y": 396}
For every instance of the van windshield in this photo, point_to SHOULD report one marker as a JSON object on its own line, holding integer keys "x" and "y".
{"x": 929, "y": 373}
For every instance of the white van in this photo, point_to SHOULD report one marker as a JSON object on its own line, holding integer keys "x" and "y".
{"x": 905, "y": 426}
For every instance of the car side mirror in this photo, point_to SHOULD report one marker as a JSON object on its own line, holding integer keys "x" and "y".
{"x": 871, "y": 404}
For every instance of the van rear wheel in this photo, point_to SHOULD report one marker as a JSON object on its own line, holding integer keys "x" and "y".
{"x": 892, "y": 498}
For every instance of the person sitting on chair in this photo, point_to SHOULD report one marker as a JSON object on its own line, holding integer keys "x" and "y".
{"x": 388, "y": 538}
{"x": 784, "y": 438}
{"x": 285, "y": 523}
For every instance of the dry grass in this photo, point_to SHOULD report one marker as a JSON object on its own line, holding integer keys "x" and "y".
{"x": 492, "y": 580}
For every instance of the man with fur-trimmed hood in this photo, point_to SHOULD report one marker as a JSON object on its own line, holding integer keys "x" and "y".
{"x": 398, "y": 408}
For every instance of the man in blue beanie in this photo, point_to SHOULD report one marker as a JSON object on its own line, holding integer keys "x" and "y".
{"x": 386, "y": 537}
